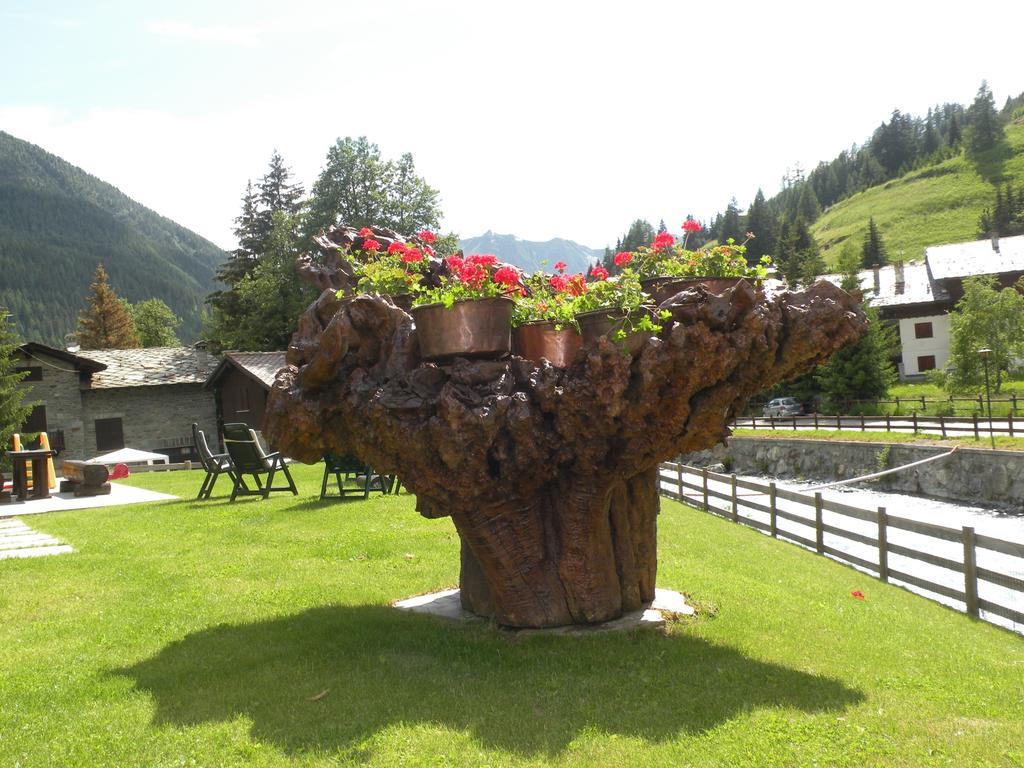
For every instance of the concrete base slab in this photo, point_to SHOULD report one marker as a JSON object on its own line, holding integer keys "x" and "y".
{"x": 446, "y": 604}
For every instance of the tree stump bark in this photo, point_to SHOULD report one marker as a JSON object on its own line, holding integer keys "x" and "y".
{"x": 549, "y": 475}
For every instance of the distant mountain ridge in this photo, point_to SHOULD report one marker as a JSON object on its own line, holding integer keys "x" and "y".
{"x": 57, "y": 222}
{"x": 532, "y": 255}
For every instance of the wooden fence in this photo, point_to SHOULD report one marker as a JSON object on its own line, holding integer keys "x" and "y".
{"x": 972, "y": 404}
{"x": 692, "y": 487}
{"x": 945, "y": 425}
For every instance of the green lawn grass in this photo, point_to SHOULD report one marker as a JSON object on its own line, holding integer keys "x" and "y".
{"x": 855, "y": 435}
{"x": 258, "y": 633}
{"x": 930, "y": 206}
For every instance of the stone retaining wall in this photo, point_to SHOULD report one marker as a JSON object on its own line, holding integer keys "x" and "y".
{"x": 971, "y": 474}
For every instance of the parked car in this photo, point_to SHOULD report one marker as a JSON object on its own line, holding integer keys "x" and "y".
{"x": 784, "y": 406}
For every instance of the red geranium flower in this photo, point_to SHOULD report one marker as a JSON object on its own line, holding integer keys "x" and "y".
{"x": 559, "y": 282}
{"x": 663, "y": 240}
{"x": 369, "y": 244}
{"x": 427, "y": 236}
{"x": 691, "y": 226}
{"x": 623, "y": 257}
{"x": 507, "y": 276}
{"x": 396, "y": 247}
{"x": 858, "y": 594}
{"x": 560, "y": 266}
{"x": 599, "y": 273}
{"x": 483, "y": 259}
{"x": 366, "y": 232}
{"x": 412, "y": 255}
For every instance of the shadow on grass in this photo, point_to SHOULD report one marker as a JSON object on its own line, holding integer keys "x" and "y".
{"x": 381, "y": 667}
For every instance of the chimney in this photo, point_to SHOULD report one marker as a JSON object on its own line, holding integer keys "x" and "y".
{"x": 898, "y": 271}
{"x": 878, "y": 282}
{"x": 995, "y": 242}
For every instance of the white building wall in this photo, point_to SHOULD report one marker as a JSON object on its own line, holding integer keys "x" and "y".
{"x": 913, "y": 347}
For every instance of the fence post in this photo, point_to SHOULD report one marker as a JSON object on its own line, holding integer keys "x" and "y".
{"x": 888, "y": 424}
{"x": 773, "y": 518}
{"x": 1011, "y": 418}
{"x": 815, "y": 420}
{"x": 942, "y": 425}
{"x": 976, "y": 436}
{"x": 704, "y": 475}
{"x": 753, "y": 421}
{"x": 794, "y": 423}
{"x": 735, "y": 504}
{"x": 862, "y": 422}
{"x": 772, "y": 419}
{"x": 839, "y": 423}
{"x": 679, "y": 477}
{"x": 923, "y": 406}
{"x": 970, "y": 572}
{"x": 915, "y": 422}
{"x": 819, "y": 534}
{"x": 883, "y": 545}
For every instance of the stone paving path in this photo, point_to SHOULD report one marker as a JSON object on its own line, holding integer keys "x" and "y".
{"x": 18, "y": 540}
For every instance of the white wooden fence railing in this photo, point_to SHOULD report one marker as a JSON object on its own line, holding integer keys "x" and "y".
{"x": 838, "y": 528}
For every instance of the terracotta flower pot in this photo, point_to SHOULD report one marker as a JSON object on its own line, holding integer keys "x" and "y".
{"x": 661, "y": 289}
{"x": 607, "y": 322}
{"x": 540, "y": 339}
{"x": 471, "y": 328}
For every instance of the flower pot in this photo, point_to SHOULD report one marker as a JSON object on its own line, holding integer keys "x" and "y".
{"x": 607, "y": 322}
{"x": 540, "y": 339}
{"x": 471, "y": 328}
{"x": 661, "y": 289}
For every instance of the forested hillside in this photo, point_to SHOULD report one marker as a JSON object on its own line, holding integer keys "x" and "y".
{"x": 530, "y": 255}
{"x": 57, "y": 222}
{"x": 940, "y": 203}
{"x": 954, "y": 174}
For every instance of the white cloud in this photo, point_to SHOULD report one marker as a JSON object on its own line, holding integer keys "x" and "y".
{"x": 248, "y": 37}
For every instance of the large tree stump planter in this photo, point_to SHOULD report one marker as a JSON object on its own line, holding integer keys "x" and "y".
{"x": 549, "y": 475}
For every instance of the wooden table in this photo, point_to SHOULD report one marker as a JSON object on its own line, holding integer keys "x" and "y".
{"x": 20, "y": 461}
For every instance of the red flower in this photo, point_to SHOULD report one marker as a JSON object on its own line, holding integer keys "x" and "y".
{"x": 560, "y": 266}
{"x": 559, "y": 282}
{"x": 427, "y": 236}
{"x": 454, "y": 263}
{"x": 623, "y": 257}
{"x": 396, "y": 247}
{"x": 369, "y": 244}
{"x": 428, "y": 250}
{"x": 483, "y": 259}
{"x": 858, "y": 594}
{"x": 507, "y": 276}
{"x": 366, "y": 232}
{"x": 663, "y": 240}
{"x": 577, "y": 285}
{"x": 599, "y": 273}
{"x": 691, "y": 226}
{"x": 411, "y": 255}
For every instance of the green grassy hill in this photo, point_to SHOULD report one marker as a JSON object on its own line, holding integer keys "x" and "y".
{"x": 929, "y": 206}
{"x": 57, "y": 222}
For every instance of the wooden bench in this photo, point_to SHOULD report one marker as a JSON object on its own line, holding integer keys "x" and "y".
{"x": 84, "y": 479}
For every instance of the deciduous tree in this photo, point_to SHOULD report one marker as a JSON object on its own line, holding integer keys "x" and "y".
{"x": 155, "y": 323}
{"x": 985, "y": 317}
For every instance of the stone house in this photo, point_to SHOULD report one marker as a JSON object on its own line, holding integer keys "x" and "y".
{"x": 96, "y": 401}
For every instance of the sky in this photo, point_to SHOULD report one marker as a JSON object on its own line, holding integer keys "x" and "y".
{"x": 539, "y": 119}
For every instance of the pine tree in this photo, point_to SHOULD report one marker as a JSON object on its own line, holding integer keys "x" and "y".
{"x": 762, "y": 223}
{"x": 662, "y": 227}
{"x": 930, "y": 139}
{"x": 986, "y": 128}
{"x": 808, "y": 208}
{"x": 863, "y": 370}
{"x": 13, "y": 412}
{"x": 955, "y": 134}
{"x": 105, "y": 323}
{"x": 729, "y": 226}
{"x": 873, "y": 251}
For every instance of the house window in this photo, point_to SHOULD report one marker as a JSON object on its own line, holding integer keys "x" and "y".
{"x": 109, "y": 434}
{"x": 926, "y": 363}
{"x": 922, "y": 330}
{"x": 36, "y": 421}
{"x": 35, "y": 373}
